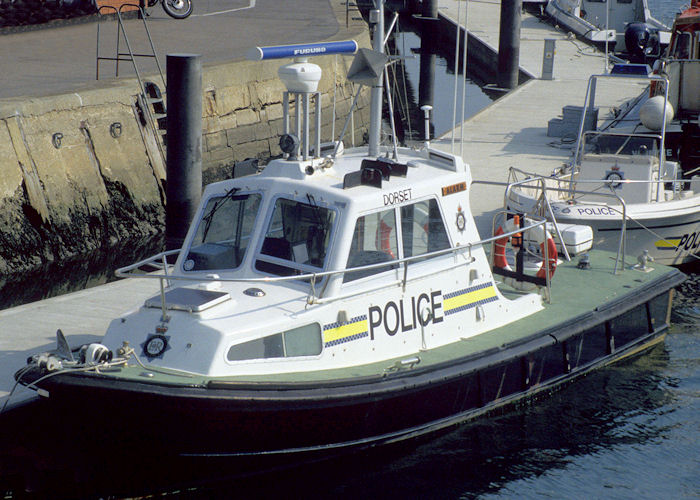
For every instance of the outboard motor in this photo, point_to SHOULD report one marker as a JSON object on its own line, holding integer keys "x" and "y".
{"x": 641, "y": 42}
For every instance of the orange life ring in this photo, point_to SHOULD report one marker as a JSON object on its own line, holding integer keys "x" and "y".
{"x": 384, "y": 237}
{"x": 541, "y": 235}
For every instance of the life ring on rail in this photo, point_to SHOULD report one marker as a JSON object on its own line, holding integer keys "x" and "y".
{"x": 541, "y": 235}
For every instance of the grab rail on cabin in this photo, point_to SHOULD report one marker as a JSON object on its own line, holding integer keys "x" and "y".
{"x": 159, "y": 262}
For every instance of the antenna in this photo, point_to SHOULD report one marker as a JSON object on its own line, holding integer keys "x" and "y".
{"x": 301, "y": 79}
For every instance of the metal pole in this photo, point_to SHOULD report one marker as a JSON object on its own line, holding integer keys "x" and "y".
{"x": 297, "y": 121}
{"x": 184, "y": 153}
{"x": 509, "y": 44}
{"x": 305, "y": 104}
{"x": 426, "y": 81}
{"x": 454, "y": 99}
{"x": 375, "y": 121}
{"x": 317, "y": 115}
{"x": 607, "y": 18}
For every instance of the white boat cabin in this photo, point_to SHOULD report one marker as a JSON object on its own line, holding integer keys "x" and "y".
{"x": 259, "y": 287}
{"x": 326, "y": 259}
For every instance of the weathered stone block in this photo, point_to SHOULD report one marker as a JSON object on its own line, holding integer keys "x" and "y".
{"x": 268, "y": 92}
{"x": 246, "y": 117}
{"x": 209, "y": 103}
{"x": 273, "y": 111}
{"x": 215, "y": 141}
{"x": 123, "y": 160}
{"x": 240, "y": 135}
{"x": 222, "y": 155}
{"x": 68, "y": 174}
{"x": 255, "y": 149}
{"x": 211, "y": 124}
{"x": 232, "y": 98}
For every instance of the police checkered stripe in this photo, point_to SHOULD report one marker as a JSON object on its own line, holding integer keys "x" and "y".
{"x": 467, "y": 290}
{"x": 341, "y": 332}
{"x": 337, "y": 324}
{"x": 347, "y": 339}
{"x": 468, "y": 298}
{"x": 470, "y": 306}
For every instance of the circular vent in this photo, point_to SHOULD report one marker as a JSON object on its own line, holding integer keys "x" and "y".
{"x": 254, "y": 292}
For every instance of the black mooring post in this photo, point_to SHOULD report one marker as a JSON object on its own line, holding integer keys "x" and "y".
{"x": 430, "y": 8}
{"x": 184, "y": 150}
{"x": 509, "y": 44}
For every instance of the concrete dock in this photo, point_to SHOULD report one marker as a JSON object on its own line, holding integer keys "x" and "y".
{"x": 510, "y": 132}
{"x": 82, "y": 317}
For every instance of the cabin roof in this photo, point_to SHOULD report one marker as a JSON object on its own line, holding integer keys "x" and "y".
{"x": 426, "y": 174}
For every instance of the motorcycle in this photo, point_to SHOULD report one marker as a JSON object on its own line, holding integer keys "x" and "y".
{"x": 179, "y": 9}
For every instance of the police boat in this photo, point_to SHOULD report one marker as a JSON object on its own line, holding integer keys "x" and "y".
{"x": 344, "y": 300}
{"x": 632, "y": 176}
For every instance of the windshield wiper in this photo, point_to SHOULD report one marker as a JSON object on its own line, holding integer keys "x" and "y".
{"x": 317, "y": 211}
{"x": 210, "y": 216}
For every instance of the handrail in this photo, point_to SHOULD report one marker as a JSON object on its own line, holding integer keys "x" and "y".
{"x": 121, "y": 31}
{"x": 588, "y": 103}
{"x": 128, "y": 271}
{"x": 131, "y": 56}
{"x": 623, "y": 229}
{"x": 544, "y": 199}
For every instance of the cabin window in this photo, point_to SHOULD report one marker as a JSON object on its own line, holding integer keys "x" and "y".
{"x": 298, "y": 236}
{"x": 422, "y": 228}
{"x": 302, "y": 341}
{"x": 223, "y": 232}
{"x": 373, "y": 241}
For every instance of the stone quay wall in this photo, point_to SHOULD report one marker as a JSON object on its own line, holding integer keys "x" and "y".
{"x": 81, "y": 172}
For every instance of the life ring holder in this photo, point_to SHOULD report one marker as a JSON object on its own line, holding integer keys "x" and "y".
{"x": 517, "y": 279}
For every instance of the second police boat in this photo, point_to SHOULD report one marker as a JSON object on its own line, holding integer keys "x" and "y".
{"x": 343, "y": 301}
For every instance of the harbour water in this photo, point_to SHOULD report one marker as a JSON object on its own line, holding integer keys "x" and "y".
{"x": 631, "y": 430}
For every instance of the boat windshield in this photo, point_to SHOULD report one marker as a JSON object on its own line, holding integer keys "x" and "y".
{"x": 223, "y": 232}
{"x": 297, "y": 238}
